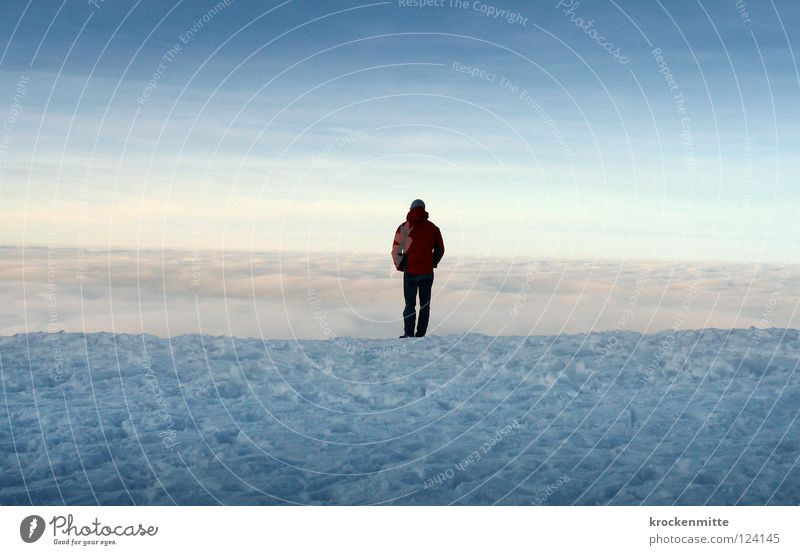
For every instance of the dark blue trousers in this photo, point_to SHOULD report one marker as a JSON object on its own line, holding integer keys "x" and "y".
{"x": 414, "y": 284}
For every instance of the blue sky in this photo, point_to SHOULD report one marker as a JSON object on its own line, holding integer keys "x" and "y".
{"x": 310, "y": 126}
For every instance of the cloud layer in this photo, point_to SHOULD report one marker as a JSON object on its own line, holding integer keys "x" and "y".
{"x": 327, "y": 295}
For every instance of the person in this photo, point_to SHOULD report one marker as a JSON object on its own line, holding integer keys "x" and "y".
{"x": 417, "y": 249}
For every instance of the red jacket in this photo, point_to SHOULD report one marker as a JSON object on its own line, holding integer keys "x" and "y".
{"x": 418, "y": 246}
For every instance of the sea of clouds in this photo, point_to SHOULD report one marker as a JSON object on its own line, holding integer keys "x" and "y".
{"x": 327, "y": 295}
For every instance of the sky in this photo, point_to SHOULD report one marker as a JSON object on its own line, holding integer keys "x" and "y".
{"x": 148, "y": 141}
{"x": 613, "y": 130}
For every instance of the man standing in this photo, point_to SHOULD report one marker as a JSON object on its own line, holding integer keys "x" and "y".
{"x": 417, "y": 249}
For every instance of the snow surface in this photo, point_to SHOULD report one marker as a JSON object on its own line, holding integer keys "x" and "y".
{"x": 687, "y": 417}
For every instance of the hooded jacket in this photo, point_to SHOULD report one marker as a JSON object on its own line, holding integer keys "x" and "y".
{"x": 418, "y": 246}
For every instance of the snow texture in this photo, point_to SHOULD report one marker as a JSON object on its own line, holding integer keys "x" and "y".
{"x": 678, "y": 417}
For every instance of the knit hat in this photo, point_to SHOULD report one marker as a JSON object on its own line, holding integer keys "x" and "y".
{"x": 418, "y": 202}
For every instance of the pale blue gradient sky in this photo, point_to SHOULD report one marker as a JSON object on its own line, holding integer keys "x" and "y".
{"x": 310, "y": 126}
